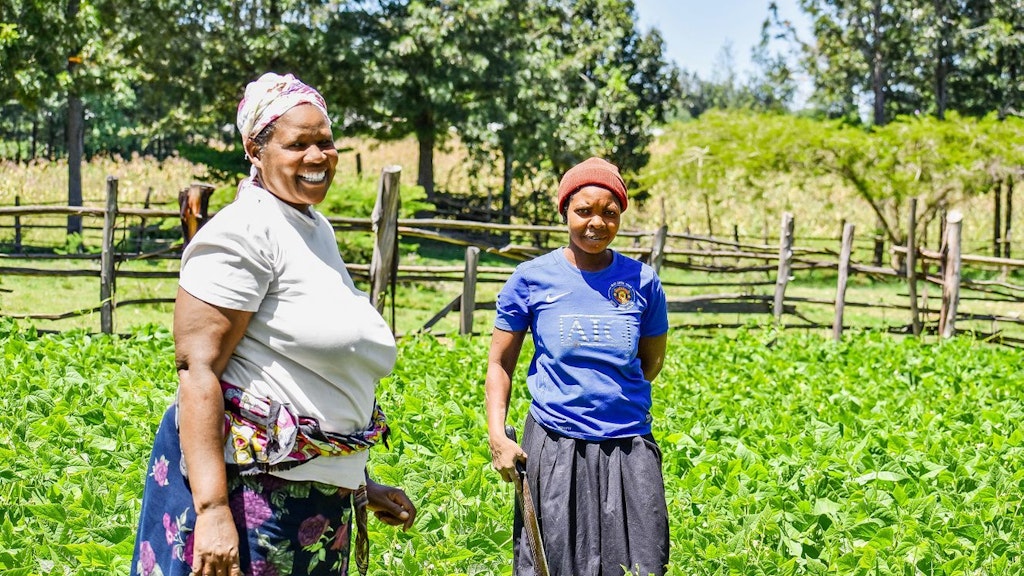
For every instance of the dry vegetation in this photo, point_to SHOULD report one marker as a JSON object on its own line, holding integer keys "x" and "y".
{"x": 450, "y": 163}
{"x": 820, "y": 210}
{"x": 819, "y": 213}
{"x": 42, "y": 182}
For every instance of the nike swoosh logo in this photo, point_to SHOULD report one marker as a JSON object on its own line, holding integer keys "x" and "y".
{"x": 552, "y": 297}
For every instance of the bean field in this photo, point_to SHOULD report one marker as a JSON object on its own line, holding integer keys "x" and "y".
{"x": 784, "y": 453}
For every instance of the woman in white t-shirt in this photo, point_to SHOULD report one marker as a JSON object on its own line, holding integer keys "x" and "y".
{"x": 260, "y": 466}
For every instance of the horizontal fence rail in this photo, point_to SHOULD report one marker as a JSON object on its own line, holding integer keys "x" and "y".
{"x": 731, "y": 267}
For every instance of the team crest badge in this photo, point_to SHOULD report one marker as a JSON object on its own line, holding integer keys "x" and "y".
{"x": 622, "y": 294}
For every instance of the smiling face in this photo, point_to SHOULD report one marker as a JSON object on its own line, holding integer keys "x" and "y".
{"x": 297, "y": 164}
{"x": 593, "y": 216}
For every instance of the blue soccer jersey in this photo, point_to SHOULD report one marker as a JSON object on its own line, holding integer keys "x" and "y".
{"x": 585, "y": 377}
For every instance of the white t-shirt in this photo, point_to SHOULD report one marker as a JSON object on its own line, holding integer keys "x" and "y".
{"x": 314, "y": 342}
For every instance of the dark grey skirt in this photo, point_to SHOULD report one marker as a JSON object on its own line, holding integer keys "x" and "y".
{"x": 601, "y": 505}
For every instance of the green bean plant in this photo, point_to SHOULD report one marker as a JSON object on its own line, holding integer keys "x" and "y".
{"x": 784, "y": 453}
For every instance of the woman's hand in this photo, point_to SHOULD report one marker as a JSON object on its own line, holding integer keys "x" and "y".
{"x": 505, "y": 453}
{"x": 390, "y": 505}
{"x": 215, "y": 548}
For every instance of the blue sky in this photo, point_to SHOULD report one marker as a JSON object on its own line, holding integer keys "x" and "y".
{"x": 695, "y": 31}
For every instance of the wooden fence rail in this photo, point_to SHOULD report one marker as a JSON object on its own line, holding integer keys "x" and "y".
{"x": 663, "y": 249}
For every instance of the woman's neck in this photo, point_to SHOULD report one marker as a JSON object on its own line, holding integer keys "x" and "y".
{"x": 586, "y": 261}
{"x": 302, "y": 208}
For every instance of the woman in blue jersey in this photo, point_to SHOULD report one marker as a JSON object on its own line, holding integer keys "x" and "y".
{"x": 599, "y": 323}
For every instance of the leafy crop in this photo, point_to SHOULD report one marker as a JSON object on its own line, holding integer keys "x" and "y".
{"x": 783, "y": 454}
{"x": 874, "y": 456}
{"x": 77, "y": 418}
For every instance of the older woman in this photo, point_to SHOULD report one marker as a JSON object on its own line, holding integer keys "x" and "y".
{"x": 599, "y": 323}
{"x": 260, "y": 465}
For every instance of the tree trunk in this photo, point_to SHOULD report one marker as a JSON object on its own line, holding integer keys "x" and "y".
{"x": 878, "y": 65}
{"x": 51, "y": 138}
{"x": 75, "y": 133}
{"x": 941, "y": 62}
{"x": 425, "y": 135}
{"x": 1009, "y": 217}
{"x": 35, "y": 137}
{"x": 16, "y": 127}
{"x": 506, "y": 183}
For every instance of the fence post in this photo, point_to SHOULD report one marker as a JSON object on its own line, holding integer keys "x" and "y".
{"x": 17, "y": 227}
{"x": 951, "y": 275}
{"x": 1007, "y": 228}
{"x": 141, "y": 240}
{"x": 785, "y": 263}
{"x": 107, "y": 259}
{"x": 997, "y": 218}
{"x": 384, "y": 223}
{"x": 468, "y": 304}
{"x": 844, "y": 274}
{"x": 193, "y": 205}
{"x": 658, "y": 249}
{"x": 879, "y": 252}
{"x": 915, "y": 318}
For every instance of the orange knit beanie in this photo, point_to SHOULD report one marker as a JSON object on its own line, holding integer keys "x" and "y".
{"x": 592, "y": 172}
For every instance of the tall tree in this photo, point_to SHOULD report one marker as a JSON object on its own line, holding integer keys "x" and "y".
{"x": 511, "y": 113}
{"x": 858, "y": 45}
{"x": 990, "y": 58}
{"x": 58, "y": 55}
{"x": 539, "y": 82}
{"x": 197, "y": 55}
{"x": 41, "y": 51}
{"x": 903, "y": 57}
{"x": 617, "y": 85}
{"x": 421, "y": 71}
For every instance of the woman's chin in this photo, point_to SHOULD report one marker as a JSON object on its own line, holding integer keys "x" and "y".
{"x": 315, "y": 193}
{"x": 593, "y": 245}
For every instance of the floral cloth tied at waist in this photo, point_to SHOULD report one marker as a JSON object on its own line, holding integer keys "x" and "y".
{"x": 263, "y": 435}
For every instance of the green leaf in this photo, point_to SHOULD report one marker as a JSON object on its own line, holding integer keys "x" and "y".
{"x": 880, "y": 475}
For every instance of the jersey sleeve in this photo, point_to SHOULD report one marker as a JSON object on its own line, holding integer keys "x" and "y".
{"x": 228, "y": 266}
{"x": 654, "y": 320}
{"x": 513, "y": 306}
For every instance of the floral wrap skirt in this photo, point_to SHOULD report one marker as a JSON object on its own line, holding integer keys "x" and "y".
{"x": 284, "y": 527}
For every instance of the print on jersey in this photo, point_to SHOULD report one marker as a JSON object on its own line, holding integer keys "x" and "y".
{"x": 596, "y": 331}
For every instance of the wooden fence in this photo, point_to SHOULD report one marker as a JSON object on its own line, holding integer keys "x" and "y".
{"x": 987, "y": 278}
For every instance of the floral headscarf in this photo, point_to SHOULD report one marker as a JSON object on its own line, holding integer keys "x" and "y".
{"x": 269, "y": 97}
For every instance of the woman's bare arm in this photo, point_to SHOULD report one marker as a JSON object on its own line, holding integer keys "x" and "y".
{"x": 651, "y": 351}
{"x": 501, "y": 363}
{"x": 204, "y": 338}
